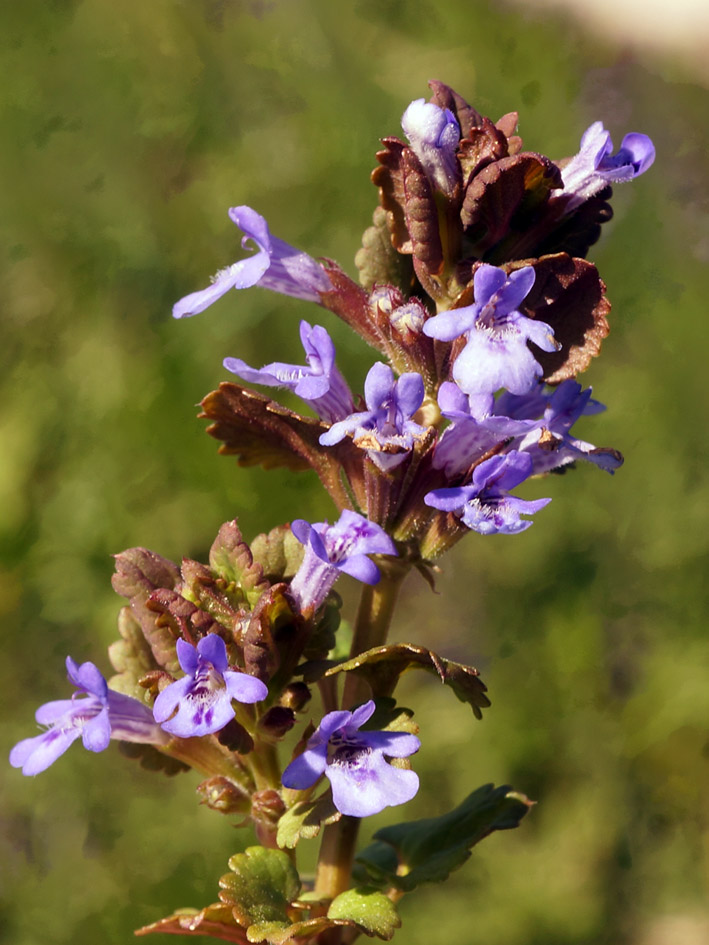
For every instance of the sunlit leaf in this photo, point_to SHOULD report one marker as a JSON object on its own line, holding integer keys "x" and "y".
{"x": 383, "y": 665}
{"x": 426, "y": 851}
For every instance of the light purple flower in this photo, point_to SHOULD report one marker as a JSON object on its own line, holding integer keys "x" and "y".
{"x": 354, "y": 762}
{"x": 595, "y": 166}
{"x": 484, "y": 505}
{"x": 434, "y": 133}
{"x": 550, "y": 444}
{"x": 385, "y": 430}
{"x": 331, "y": 550}
{"x": 496, "y": 353}
{"x": 200, "y": 702}
{"x": 276, "y": 266}
{"x": 474, "y": 429}
{"x": 95, "y": 712}
{"x": 319, "y": 383}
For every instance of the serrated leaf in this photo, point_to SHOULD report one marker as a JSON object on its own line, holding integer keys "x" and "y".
{"x": 304, "y": 820}
{"x": 272, "y": 932}
{"x": 383, "y": 665}
{"x": 484, "y": 144}
{"x": 426, "y": 851}
{"x": 278, "y": 552}
{"x": 501, "y": 197}
{"x": 261, "y": 885}
{"x": 223, "y": 601}
{"x": 258, "y": 431}
{"x": 378, "y": 261}
{"x": 272, "y": 615}
{"x": 231, "y": 558}
{"x": 139, "y": 573}
{"x": 570, "y": 296}
{"x": 174, "y": 616}
{"x": 151, "y": 759}
{"x": 215, "y": 921}
{"x": 369, "y": 909}
{"x": 130, "y": 656}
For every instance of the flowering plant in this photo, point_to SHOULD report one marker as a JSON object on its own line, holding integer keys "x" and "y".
{"x": 475, "y": 291}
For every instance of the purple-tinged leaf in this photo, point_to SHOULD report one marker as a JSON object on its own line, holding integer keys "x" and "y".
{"x": 569, "y": 295}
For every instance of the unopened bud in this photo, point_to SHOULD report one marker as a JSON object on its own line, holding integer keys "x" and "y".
{"x": 295, "y": 696}
{"x": 267, "y": 807}
{"x": 277, "y": 721}
{"x": 224, "y": 795}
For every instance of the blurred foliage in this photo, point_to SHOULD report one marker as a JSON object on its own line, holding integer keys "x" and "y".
{"x": 128, "y": 130}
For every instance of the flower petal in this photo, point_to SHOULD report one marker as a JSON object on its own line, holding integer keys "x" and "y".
{"x": 369, "y": 785}
{"x": 245, "y": 688}
{"x": 305, "y": 770}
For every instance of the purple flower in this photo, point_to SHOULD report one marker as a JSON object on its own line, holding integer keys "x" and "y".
{"x": 320, "y": 383}
{"x": 434, "y": 134}
{"x": 385, "y": 430}
{"x": 354, "y": 762}
{"x": 595, "y": 166}
{"x": 200, "y": 702}
{"x": 334, "y": 549}
{"x": 550, "y": 444}
{"x": 473, "y": 430}
{"x": 276, "y": 266}
{"x": 95, "y": 712}
{"x": 485, "y": 505}
{"x": 496, "y": 353}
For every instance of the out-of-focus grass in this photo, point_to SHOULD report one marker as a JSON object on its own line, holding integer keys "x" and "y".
{"x": 128, "y": 131}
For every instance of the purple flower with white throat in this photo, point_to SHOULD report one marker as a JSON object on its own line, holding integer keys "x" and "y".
{"x": 319, "y": 383}
{"x": 200, "y": 702}
{"x": 385, "y": 430}
{"x": 496, "y": 353}
{"x": 434, "y": 133}
{"x": 550, "y": 443}
{"x": 354, "y": 762}
{"x": 95, "y": 713}
{"x": 485, "y": 505}
{"x": 276, "y": 265}
{"x": 474, "y": 429}
{"x": 595, "y": 166}
{"x": 331, "y": 550}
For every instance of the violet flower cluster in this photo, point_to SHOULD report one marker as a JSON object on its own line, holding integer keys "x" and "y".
{"x": 476, "y": 295}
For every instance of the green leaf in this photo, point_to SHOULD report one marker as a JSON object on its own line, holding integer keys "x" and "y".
{"x": 378, "y": 262}
{"x": 231, "y": 558}
{"x": 303, "y": 820}
{"x": 272, "y": 932}
{"x": 370, "y": 909}
{"x": 260, "y": 887}
{"x": 278, "y": 552}
{"x": 130, "y": 656}
{"x": 383, "y": 665}
{"x": 427, "y": 851}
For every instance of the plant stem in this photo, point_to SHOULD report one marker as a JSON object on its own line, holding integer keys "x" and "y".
{"x": 376, "y": 608}
{"x": 374, "y": 615}
{"x": 336, "y": 855}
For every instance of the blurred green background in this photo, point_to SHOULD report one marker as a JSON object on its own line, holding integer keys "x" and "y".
{"x": 128, "y": 130}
